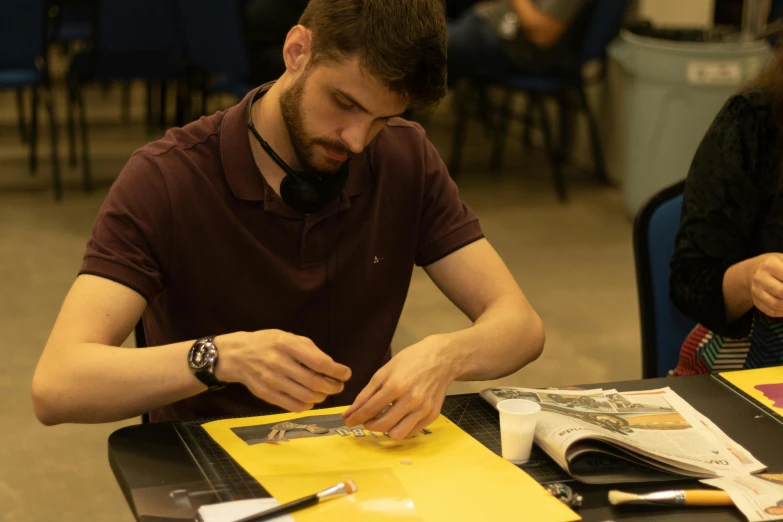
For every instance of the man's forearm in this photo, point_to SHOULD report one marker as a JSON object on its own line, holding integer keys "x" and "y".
{"x": 506, "y": 337}
{"x": 540, "y": 28}
{"x": 91, "y": 383}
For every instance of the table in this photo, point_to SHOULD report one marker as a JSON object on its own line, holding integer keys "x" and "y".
{"x": 167, "y": 470}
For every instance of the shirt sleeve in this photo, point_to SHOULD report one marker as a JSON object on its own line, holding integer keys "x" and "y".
{"x": 131, "y": 236}
{"x": 447, "y": 223}
{"x": 721, "y": 207}
{"x": 564, "y": 10}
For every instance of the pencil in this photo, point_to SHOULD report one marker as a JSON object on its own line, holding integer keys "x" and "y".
{"x": 343, "y": 488}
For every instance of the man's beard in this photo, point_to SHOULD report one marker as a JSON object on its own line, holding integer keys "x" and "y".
{"x": 303, "y": 144}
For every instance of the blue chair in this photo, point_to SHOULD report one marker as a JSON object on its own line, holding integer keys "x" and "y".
{"x": 567, "y": 90}
{"x": 132, "y": 40}
{"x": 221, "y": 60}
{"x": 23, "y": 65}
{"x": 664, "y": 328}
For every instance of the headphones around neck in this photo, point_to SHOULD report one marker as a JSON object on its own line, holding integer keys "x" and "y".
{"x": 303, "y": 191}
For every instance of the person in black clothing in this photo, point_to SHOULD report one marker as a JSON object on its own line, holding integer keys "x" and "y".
{"x": 727, "y": 268}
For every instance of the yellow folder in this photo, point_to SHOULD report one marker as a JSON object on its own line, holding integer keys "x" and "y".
{"x": 765, "y": 385}
{"x": 441, "y": 475}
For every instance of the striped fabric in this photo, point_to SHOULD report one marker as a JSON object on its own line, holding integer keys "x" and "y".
{"x": 705, "y": 352}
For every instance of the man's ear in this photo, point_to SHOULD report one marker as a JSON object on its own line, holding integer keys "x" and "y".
{"x": 297, "y": 49}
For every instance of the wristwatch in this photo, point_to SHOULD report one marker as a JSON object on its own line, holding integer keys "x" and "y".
{"x": 202, "y": 360}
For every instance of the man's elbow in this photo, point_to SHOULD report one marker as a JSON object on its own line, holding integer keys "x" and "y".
{"x": 43, "y": 403}
{"x": 538, "y": 337}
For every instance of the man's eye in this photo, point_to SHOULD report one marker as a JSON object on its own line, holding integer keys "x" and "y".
{"x": 344, "y": 106}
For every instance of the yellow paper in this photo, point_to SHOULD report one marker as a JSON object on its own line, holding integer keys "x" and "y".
{"x": 447, "y": 474}
{"x": 765, "y": 385}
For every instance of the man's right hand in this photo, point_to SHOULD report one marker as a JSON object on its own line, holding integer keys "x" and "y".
{"x": 766, "y": 284}
{"x": 279, "y": 367}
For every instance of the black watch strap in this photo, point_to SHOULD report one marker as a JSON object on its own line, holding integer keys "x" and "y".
{"x": 202, "y": 360}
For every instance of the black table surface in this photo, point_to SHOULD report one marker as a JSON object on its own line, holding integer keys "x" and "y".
{"x": 167, "y": 470}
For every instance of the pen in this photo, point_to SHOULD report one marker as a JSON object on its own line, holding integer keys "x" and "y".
{"x": 681, "y": 497}
{"x": 343, "y": 488}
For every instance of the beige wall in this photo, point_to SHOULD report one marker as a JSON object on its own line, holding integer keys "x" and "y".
{"x": 678, "y": 12}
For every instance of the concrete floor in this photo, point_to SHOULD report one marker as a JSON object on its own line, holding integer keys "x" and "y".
{"x": 573, "y": 261}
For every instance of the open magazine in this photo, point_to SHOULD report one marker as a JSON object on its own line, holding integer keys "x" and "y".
{"x": 603, "y": 436}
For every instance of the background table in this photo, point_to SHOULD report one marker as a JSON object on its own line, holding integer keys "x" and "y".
{"x": 167, "y": 470}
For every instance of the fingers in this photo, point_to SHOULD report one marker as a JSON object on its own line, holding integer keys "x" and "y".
{"x": 363, "y": 397}
{"x": 385, "y": 421}
{"x": 309, "y": 355}
{"x": 373, "y": 406}
{"x": 426, "y": 421}
{"x": 294, "y": 389}
{"x": 313, "y": 381}
{"x": 278, "y": 398}
{"x": 767, "y": 294}
{"x": 768, "y": 283}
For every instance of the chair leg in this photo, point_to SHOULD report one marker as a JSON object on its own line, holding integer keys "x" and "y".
{"x": 69, "y": 110}
{"x": 204, "y": 94}
{"x": 149, "y": 105}
{"x": 86, "y": 173}
{"x": 595, "y": 140}
{"x": 162, "y": 113}
{"x": 460, "y": 127}
{"x": 501, "y": 133}
{"x": 126, "y": 95}
{"x": 528, "y": 121}
{"x": 181, "y": 103}
{"x": 34, "y": 132}
{"x": 554, "y": 157}
{"x": 566, "y": 127}
{"x": 21, "y": 113}
{"x": 56, "y": 180}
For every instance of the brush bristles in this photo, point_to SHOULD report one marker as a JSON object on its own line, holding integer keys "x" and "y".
{"x": 621, "y": 497}
{"x": 350, "y": 486}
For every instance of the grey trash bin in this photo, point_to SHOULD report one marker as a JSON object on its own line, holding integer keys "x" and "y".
{"x": 672, "y": 90}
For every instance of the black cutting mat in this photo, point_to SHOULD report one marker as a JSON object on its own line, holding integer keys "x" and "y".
{"x": 470, "y": 412}
{"x": 763, "y": 407}
{"x": 480, "y": 420}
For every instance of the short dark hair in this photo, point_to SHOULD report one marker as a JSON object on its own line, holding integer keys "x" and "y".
{"x": 400, "y": 42}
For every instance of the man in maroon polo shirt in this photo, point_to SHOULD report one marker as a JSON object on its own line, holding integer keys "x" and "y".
{"x": 269, "y": 249}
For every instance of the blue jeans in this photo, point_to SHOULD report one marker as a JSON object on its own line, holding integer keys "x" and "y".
{"x": 474, "y": 50}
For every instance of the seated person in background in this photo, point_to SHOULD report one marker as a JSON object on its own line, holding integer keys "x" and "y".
{"x": 727, "y": 268}
{"x": 270, "y": 248}
{"x": 504, "y": 37}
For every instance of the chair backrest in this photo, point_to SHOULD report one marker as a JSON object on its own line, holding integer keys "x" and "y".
{"x": 605, "y": 23}
{"x": 140, "y": 27}
{"x": 775, "y": 10}
{"x": 22, "y": 33}
{"x": 213, "y": 36}
{"x": 664, "y": 328}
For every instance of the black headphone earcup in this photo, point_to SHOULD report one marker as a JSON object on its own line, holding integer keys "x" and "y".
{"x": 299, "y": 194}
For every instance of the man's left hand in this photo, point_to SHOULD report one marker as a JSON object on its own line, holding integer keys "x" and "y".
{"x": 406, "y": 395}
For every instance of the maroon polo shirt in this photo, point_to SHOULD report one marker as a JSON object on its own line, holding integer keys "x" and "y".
{"x": 192, "y": 226}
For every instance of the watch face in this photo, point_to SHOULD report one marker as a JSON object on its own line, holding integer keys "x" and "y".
{"x": 202, "y": 356}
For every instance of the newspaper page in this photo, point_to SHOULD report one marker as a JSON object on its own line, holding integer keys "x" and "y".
{"x": 759, "y": 497}
{"x": 602, "y": 436}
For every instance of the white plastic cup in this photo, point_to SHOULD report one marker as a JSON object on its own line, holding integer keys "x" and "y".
{"x": 517, "y": 427}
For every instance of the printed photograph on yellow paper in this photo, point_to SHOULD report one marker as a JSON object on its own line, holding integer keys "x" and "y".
{"x": 440, "y": 474}
{"x": 765, "y": 385}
